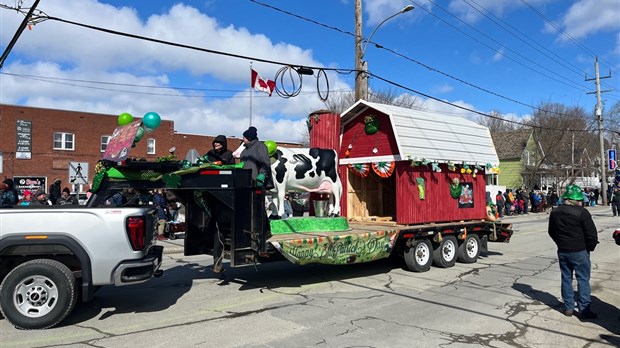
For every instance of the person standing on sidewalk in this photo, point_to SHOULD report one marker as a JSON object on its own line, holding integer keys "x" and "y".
{"x": 573, "y": 231}
{"x": 615, "y": 201}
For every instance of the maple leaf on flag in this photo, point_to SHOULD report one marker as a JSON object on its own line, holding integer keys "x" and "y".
{"x": 262, "y": 85}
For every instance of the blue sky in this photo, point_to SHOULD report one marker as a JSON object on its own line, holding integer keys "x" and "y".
{"x": 486, "y": 55}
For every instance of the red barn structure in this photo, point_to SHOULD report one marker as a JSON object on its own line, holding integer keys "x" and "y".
{"x": 411, "y": 166}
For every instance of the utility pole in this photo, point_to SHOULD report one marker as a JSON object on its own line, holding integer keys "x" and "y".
{"x": 359, "y": 74}
{"x": 361, "y": 66}
{"x": 599, "y": 116}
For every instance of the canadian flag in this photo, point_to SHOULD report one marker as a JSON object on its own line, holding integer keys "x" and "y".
{"x": 262, "y": 85}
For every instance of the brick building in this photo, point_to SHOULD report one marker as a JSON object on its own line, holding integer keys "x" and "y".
{"x": 38, "y": 145}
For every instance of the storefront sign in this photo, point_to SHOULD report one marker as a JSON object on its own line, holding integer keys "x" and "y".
{"x": 24, "y": 139}
{"x": 32, "y": 183}
{"x": 338, "y": 249}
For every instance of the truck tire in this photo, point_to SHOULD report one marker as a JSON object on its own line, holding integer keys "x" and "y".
{"x": 469, "y": 250}
{"x": 444, "y": 255}
{"x": 38, "y": 294}
{"x": 418, "y": 257}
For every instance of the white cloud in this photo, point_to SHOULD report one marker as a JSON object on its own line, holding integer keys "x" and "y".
{"x": 60, "y": 50}
{"x": 378, "y": 10}
{"x": 586, "y": 17}
{"x": 445, "y": 88}
{"x": 478, "y": 9}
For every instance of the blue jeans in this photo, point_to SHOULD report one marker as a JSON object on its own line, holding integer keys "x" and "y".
{"x": 579, "y": 263}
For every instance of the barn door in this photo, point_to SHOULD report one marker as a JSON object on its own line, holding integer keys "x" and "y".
{"x": 371, "y": 196}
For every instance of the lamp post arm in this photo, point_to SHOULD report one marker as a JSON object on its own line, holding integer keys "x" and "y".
{"x": 375, "y": 30}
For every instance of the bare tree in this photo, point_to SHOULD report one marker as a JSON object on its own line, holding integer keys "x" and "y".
{"x": 497, "y": 122}
{"x": 564, "y": 133}
{"x": 339, "y": 102}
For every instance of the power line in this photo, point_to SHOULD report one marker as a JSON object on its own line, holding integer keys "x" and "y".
{"x": 564, "y": 33}
{"x": 63, "y": 81}
{"x": 583, "y": 88}
{"x": 318, "y": 68}
{"x": 430, "y": 68}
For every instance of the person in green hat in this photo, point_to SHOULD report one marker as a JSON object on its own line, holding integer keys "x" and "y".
{"x": 573, "y": 231}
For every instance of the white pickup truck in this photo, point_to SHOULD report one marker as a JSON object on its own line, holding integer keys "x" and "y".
{"x": 51, "y": 255}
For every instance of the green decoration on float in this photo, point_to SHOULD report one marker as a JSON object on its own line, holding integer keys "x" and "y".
{"x": 172, "y": 180}
{"x": 455, "y": 188}
{"x": 421, "y": 187}
{"x": 371, "y": 124}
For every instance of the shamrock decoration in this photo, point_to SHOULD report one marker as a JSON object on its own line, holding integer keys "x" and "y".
{"x": 455, "y": 188}
{"x": 172, "y": 180}
{"x": 435, "y": 167}
{"x": 371, "y": 124}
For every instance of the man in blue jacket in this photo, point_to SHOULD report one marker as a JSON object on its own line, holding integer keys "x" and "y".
{"x": 573, "y": 231}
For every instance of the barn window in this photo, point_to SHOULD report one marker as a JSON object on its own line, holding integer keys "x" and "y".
{"x": 64, "y": 141}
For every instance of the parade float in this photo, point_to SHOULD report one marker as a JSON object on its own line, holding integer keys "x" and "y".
{"x": 399, "y": 180}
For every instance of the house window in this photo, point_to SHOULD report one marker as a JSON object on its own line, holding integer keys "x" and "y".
{"x": 150, "y": 146}
{"x": 105, "y": 139}
{"x": 526, "y": 157}
{"x": 64, "y": 141}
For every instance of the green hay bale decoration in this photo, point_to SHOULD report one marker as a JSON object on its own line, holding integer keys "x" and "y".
{"x": 309, "y": 224}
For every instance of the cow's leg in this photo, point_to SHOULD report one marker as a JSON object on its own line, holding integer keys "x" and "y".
{"x": 281, "y": 192}
{"x": 335, "y": 196}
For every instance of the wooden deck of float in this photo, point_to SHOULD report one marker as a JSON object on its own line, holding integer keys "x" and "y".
{"x": 365, "y": 227}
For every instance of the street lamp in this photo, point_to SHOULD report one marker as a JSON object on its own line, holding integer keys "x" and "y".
{"x": 361, "y": 80}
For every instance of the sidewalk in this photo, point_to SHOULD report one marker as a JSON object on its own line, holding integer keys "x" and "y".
{"x": 599, "y": 210}
{"x": 172, "y": 246}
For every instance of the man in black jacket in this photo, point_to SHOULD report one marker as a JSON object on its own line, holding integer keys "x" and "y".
{"x": 220, "y": 153}
{"x": 573, "y": 231}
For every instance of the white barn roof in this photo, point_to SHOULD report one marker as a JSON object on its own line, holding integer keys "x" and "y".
{"x": 432, "y": 136}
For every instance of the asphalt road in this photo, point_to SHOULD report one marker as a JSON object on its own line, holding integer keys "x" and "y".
{"x": 509, "y": 298}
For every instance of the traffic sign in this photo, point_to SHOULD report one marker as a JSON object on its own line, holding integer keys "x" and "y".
{"x": 611, "y": 159}
{"x": 78, "y": 173}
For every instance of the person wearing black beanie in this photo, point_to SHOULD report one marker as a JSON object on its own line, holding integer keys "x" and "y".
{"x": 256, "y": 157}
{"x": 251, "y": 133}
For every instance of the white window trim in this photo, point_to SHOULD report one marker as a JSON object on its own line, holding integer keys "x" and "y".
{"x": 106, "y": 144}
{"x": 148, "y": 147}
{"x": 63, "y": 141}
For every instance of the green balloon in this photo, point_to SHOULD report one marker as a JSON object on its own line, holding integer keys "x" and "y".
{"x": 124, "y": 118}
{"x": 271, "y": 147}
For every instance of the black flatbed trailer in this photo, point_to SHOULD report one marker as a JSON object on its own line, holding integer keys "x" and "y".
{"x": 226, "y": 198}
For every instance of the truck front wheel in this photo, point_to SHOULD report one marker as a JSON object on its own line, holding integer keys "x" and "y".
{"x": 418, "y": 256}
{"x": 38, "y": 294}
{"x": 444, "y": 254}
{"x": 469, "y": 250}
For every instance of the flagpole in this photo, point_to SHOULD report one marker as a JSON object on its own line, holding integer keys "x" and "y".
{"x": 251, "y": 88}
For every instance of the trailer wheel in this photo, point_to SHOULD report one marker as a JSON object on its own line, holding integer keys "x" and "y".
{"x": 38, "y": 294}
{"x": 418, "y": 257}
{"x": 444, "y": 255}
{"x": 469, "y": 250}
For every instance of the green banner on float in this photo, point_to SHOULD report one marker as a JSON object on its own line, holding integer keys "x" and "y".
{"x": 338, "y": 249}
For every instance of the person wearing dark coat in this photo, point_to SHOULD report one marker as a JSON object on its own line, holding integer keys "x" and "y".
{"x": 55, "y": 191}
{"x": 573, "y": 231}
{"x": 220, "y": 153}
{"x": 256, "y": 157}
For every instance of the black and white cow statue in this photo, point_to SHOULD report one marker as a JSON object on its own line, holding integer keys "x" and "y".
{"x": 306, "y": 170}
